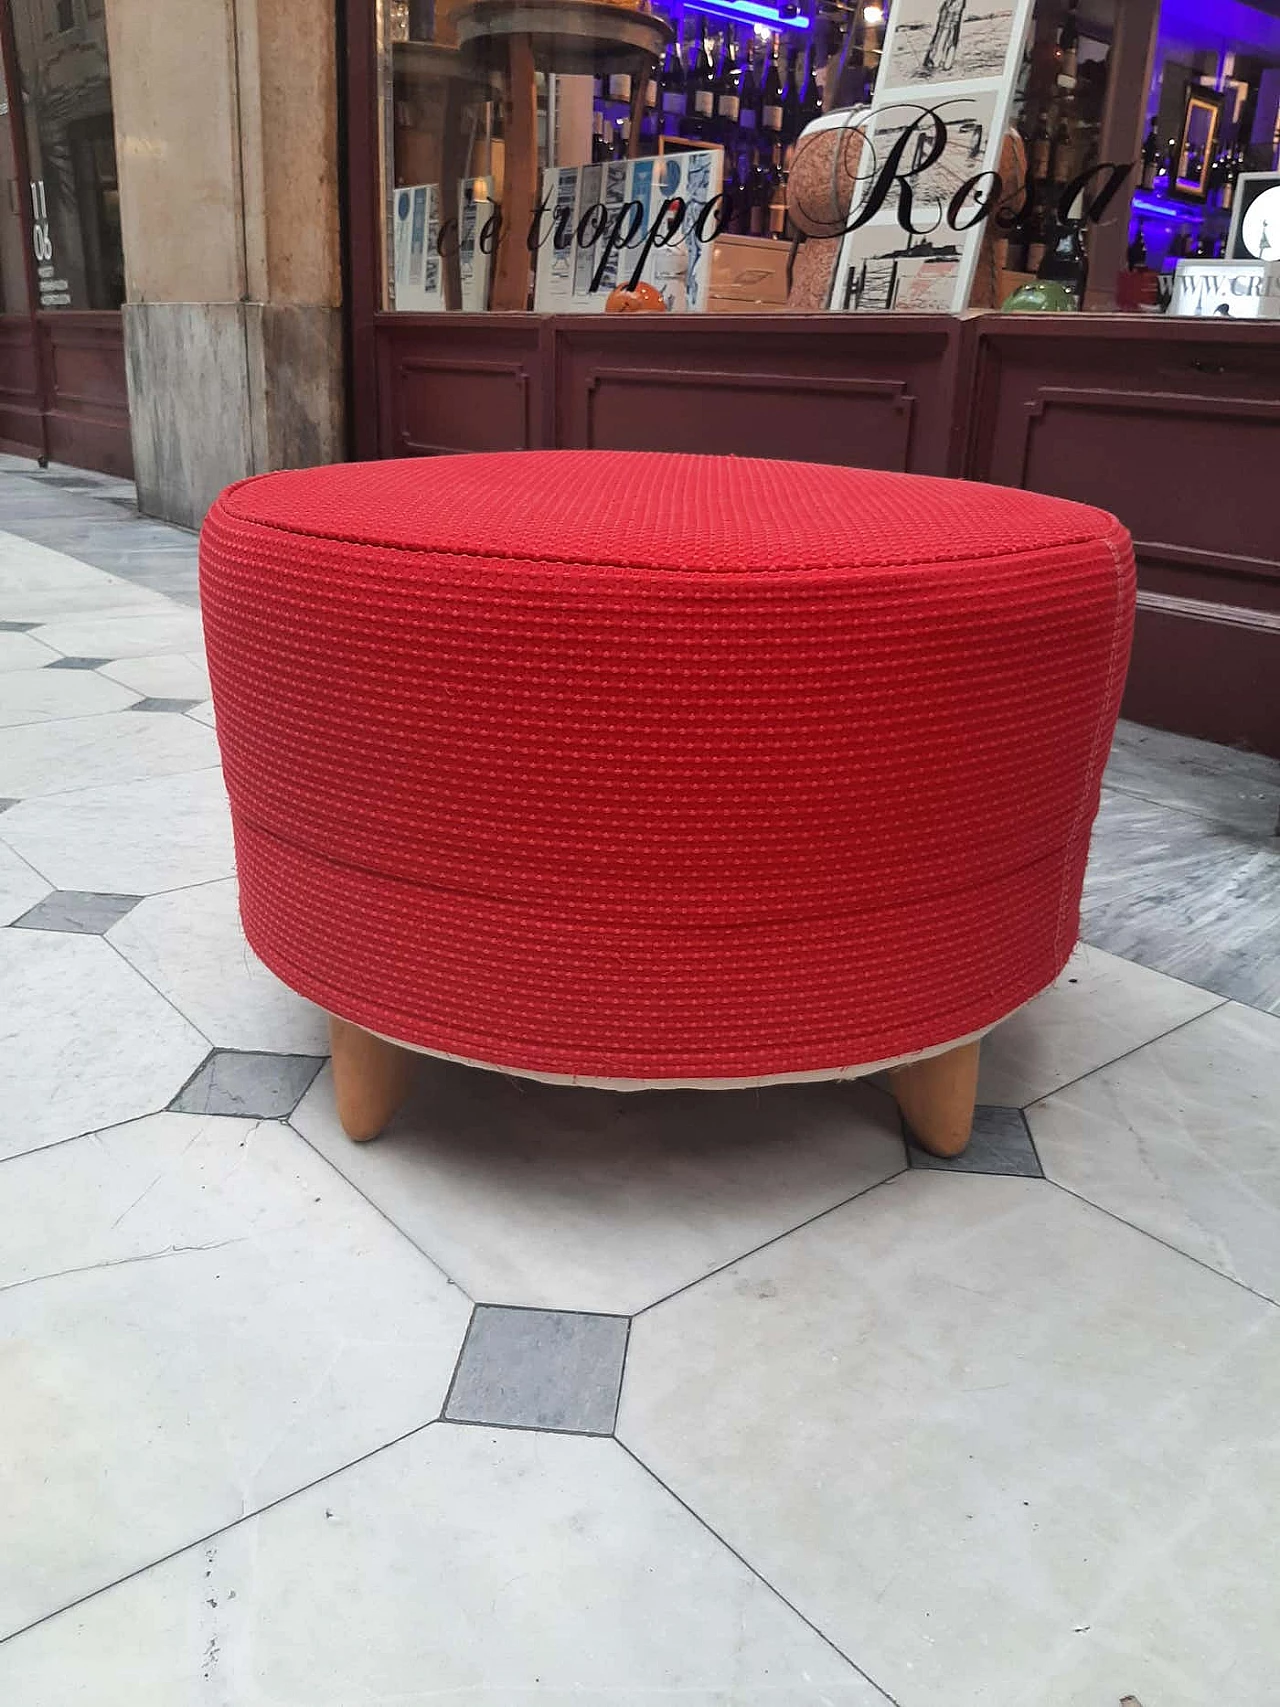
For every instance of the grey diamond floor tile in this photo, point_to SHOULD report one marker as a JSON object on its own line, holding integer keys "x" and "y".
{"x": 17, "y": 627}
{"x": 77, "y": 663}
{"x": 1001, "y": 1144}
{"x": 78, "y": 911}
{"x": 6, "y": 804}
{"x": 164, "y": 704}
{"x": 240, "y": 1081}
{"x": 559, "y": 1370}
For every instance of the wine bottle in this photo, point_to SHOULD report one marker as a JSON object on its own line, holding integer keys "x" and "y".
{"x": 791, "y": 97}
{"x": 748, "y": 86}
{"x": 1064, "y": 152}
{"x": 778, "y": 195}
{"x": 1229, "y": 177}
{"x": 1037, "y": 236}
{"x": 810, "y": 92}
{"x": 599, "y": 147}
{"x": 729, "y": 90}
{"x": 619, "y": 86}
{"x": 821, "y": 58}
{"x": 675, "y": 87}
{"x": 1150, "y": 158}
{"x": 740, "y": 214}
{"x": 758, "y": 189}
{"x": 1041, "y": 148}
{"x": 1137, "y": 254}
{"x": 1067, "y": 53}
{"x": 701, "y": 107}
{"x": 651, "y": 116}
{"x": 770, "y": 121}
{"x": 1064, "y": 257}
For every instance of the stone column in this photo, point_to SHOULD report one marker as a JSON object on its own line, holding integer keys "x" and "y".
{"x": 226, "y": 142}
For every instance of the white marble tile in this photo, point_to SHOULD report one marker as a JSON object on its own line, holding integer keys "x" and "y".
{"x": 129, "y": 635}
{"x": 130, "y": 838}
{"x": 189, "y": 944}
{"x": 998, "y": 1447}
{"x": 460, "y": 1566}
{"x": 21, "y": 652}
{"x": 84, "y": 1041}
{"x": 86, "y": 752}
{"x": 200, "y": 1316}
{"x": 203, "y": 713}
{"x": 20, "y": 886}
{"x": 595, "y": 1200}
{"x": 1183, "y": 1140}
{"x": 1098, "y": 1009}
{"x": 40, "y": 696}
{"x": 171, "y": 675}
{"x": 38, "y": 584}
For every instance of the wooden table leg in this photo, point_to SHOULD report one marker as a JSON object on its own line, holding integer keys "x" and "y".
{"x": 371, "y": 1078}
{"x": 520, "y": 180}
{"x": 937, "y": 1098}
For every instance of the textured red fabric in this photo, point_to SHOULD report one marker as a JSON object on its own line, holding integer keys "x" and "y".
{"x": 657, "y": 766}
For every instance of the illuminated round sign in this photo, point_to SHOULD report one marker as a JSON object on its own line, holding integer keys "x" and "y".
{"x": 1260, "y": 227}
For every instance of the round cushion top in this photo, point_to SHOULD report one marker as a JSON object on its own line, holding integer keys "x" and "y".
{"x": 657, "y": 510}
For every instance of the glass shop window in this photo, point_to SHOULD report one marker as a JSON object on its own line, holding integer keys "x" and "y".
{"x": 757, "y": 156}
{"x": 1204, "y": 225}
{"x": 13, "y": 278}
{"x": 73, "y": 194}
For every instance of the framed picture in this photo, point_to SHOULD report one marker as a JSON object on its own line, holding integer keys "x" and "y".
{"x": 945, "y": 88}
{"x": 1255, "y": 218}
{"x": 1197, "y": 143}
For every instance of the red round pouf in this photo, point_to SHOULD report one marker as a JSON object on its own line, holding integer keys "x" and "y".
{"x": 661, "y": 768}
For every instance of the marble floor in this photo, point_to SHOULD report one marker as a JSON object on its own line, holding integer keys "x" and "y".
{"x": 567, "y": 1397}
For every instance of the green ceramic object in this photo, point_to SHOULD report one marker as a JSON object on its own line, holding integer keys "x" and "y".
{"x": 1041, "y": 296}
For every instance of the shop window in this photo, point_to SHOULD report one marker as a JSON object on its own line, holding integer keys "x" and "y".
{"x": 13, "y": 279}
{"x": 724, "y": 155}
{"x": 74, "y": 203}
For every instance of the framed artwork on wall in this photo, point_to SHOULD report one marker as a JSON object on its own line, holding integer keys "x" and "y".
{"x": 1197, "y": 142}
{"x": 1255, "y": 218}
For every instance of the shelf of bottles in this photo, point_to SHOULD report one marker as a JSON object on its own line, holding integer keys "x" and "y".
{"x": 1060, "y": 100}
{"x": 741, "y": 85}
{"x": 1164, "y": 226}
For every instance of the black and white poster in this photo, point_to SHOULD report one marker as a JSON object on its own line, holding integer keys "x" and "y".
{"x": 934, "y": 139}
{"x": 948, "y": 41}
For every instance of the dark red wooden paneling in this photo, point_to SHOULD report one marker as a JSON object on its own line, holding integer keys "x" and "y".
{"x": 460, "y": 383}
{"x": 871, "y": 391}
{"x": 88, "y": 413}
{"x": 20, "y": 431}
{"x": 1174, "y": 426}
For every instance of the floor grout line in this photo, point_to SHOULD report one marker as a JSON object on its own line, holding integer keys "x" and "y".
{"x": 388, "y": 1218}
{"x": 786, "y": 1233}
{"x": 167, "y": 999}
{"x": 1102, "y": 1067}
{"x": 222, "y": 1529}
{"x": 1176, "y": 1250}
{"x": 757, "y": 1574}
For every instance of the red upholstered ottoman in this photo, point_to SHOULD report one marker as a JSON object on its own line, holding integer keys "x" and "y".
{"x": 658, "y": 770}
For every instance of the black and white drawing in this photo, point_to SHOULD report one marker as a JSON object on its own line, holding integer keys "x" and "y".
{"x": 967, "y": 120}
{"x": 883, "y": 268}
{"x": 947, "y": 41}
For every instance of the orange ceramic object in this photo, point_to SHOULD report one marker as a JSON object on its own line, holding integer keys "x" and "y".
{"x": 644, "y": 299}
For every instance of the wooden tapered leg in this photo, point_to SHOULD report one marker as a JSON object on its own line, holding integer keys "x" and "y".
{"x": 370, "y": 1078}
{"x": 937, "y": 1097}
